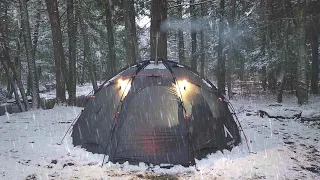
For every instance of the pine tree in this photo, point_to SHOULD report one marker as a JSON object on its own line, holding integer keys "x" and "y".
{"x": 221, "y": 59}
{"x": 60, "y": 63}
{"x": 181, "y": 53}
{"x": 111, "y": 45}
{"x": 193, "y": 36}
{"x": 302, "y": 85}
{"x": 86, "y": 42}
{"x": 72, "y": 31}
{"x": 130, "y": 29}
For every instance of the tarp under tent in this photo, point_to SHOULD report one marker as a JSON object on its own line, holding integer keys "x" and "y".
{"x": 158, "y": 114}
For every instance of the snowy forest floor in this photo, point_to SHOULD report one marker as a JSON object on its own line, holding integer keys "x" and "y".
{"x": 283, "y": 147}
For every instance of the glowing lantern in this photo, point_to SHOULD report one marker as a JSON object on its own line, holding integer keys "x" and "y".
{"x": 124, "y": 87}
{"x": 182, "y": 85}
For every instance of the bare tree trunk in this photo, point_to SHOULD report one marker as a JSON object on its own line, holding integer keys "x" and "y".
{"x": 272, "y": 80}
{"x": 193, "y": 63}
{"x": 15, "y": 92}
{"x": 283, "y": 66}
{"x": 158, "y": 15}
{"x": 264, "y": 67}
{"x": 221, "y": 59}
{"x": 60, "y": 63}
{"x": 3, "y": 36}
{"x": 9, "y": 88}
{"x": 86, "y": 42}
{"x": 83, "y": 71}
{"x": 103, "y": 67}
{"x": 109, "y": 23}
{"x": 263, "y": 44}
{"x": 14, "y": 86}
{"x": 284, "y": 60}
{"x": 131, "y": 35}
{"x": 84, "y": 65}
{"x": 231, "y": 50}
{"x": 4, "y": 59}
{"x": 30, "y": 57}
{"x": 72, "y": 31}
{"x": 229, "y": 73}
{"x": 17, "y": 59}
{"x": 35, "y": 41}
{"x": 203, "y": 53}
{"x": 302, "y": 85}
{"x": 242, "y": 69}
{"x": 15, "y": 77}
{"x": 7, "y": 63}
{"x": 9, "y": 75}
{"x": 242, "y": 60}
{"x": 180, "y": 36}
{"x": 36, "y": 28}
{"x": 315, "y": 63}
{"x": 202, "y": 42}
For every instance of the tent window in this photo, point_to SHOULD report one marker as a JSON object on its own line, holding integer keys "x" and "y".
{"x": 190, "y": 95}
{"x": 212, "y": 100}
{"x": 195, "y": 96}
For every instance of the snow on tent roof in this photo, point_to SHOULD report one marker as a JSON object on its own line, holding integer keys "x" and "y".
{"x": 152, "y": 65}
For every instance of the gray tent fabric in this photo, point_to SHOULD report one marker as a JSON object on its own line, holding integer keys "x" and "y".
{"x": 156, "y": 114}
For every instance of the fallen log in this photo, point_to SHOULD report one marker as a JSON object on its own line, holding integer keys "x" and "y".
{"x": 263, "y": 113}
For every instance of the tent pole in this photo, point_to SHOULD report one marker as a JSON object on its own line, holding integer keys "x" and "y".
{"x": 239, "y": 125}
{"x": 184, "y": 109}
{"x": 118, "y": 111}
{"x": 71, "y": 125}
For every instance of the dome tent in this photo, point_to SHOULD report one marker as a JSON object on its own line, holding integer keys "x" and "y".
{"x": 158, "y": 114}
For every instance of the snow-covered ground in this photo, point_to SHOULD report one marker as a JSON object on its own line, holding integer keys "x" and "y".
{"x": 282, "y": 148}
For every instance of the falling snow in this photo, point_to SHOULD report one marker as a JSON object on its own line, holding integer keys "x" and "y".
{"x": 282, "y": 148}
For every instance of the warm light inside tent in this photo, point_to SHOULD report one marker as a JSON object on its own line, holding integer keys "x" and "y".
{"x": 182, "y": 87}
{"x": 186, "y": 91}
{"x": 124, "y": 87}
